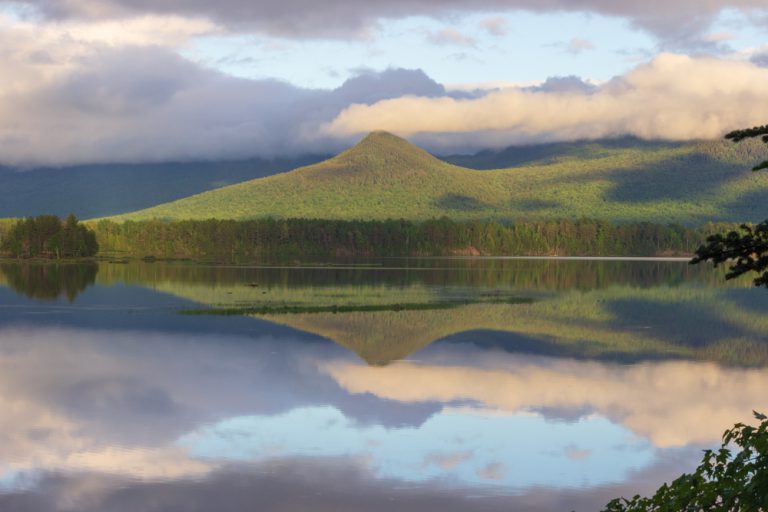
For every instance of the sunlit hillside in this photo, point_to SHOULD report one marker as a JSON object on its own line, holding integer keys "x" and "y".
{"x": 387, "y": 177}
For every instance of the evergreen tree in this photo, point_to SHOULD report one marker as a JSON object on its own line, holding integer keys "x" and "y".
{"x": 748, "y": 246}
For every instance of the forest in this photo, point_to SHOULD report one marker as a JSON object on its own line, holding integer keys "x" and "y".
{"x": 229, "y": 241}
{"x": 47, "y": 236}
{"x": 240, "y": 241}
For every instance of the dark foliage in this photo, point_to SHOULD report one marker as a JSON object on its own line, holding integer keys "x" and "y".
{"x": 748, "y": 246}
{"x": 747, "y": 249}
{"x": 726, "y": 480}
{"x": 46, "y": 236}
{"x": 750, "y": 133}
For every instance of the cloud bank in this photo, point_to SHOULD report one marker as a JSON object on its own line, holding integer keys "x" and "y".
{"x": 672, "y": 97}
{"x": 676, "y": 21}
{"x": 76, "y": 92}
{"x": 71, "y": 99}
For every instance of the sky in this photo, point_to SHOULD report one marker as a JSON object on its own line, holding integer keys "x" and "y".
{"x": 96, "y": 81}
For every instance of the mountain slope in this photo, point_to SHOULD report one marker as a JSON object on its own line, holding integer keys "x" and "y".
{"x": 387, "y": 177}
{"x": 110, "y": 189}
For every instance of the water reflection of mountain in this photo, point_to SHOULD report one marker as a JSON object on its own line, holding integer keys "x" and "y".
{"x": 620, "y": 324}
{"x": 609, "y": 310}
{"x": 49, "y": 281}
{"x": 625, "y": 311}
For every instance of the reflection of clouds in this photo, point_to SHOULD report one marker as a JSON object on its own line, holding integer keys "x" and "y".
{"x": 115, "y": 402}
{"x": 493, "y": 471}
{"x": 466, "y": 447}
{"x": 574, "y": 453}
{"x": 319, "y": 485}
{"x": 670, "y": 403}
{"x": 447, "y": 461}
{"x": 33, "y": 437}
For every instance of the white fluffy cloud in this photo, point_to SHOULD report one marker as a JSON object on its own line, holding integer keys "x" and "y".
{"x": 672, "y": 97}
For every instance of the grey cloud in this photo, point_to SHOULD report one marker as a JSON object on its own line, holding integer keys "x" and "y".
{"x": 370, "y": 86}
{"x": 149, "y": 104}
{"x": 760, "y": 59}
{"x": 679, "y": 22}
{"x": 564, "y": 84}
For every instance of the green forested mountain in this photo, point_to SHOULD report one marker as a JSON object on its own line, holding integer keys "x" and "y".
{"x": 386, "y": 177}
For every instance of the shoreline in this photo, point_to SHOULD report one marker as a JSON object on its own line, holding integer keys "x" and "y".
{"x": 360, "y": 262}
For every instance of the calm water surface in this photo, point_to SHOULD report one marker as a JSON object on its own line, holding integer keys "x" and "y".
{"x": 394, "y": 385}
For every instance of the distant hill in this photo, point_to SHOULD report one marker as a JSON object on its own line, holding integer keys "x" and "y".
{"x": 385, "y": 176}
{"x": 552, "y": 152}
{"x": 101, "y": 190}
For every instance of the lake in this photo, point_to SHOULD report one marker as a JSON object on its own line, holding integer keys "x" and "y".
{"x": 397, "y": 384}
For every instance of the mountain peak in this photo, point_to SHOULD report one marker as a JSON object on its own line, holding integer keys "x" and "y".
{"x": 383, "y": 149}
{"x": 379, "y": 137}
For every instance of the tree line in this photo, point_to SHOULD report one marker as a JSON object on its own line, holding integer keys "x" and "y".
{"x": 232, "y": 241}
{"x": 47, "y": 236}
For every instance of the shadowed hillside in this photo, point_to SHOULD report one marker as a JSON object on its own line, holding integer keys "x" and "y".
{"x": 384, "y": 176}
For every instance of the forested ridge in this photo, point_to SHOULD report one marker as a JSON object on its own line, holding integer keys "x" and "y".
{"x": 385, "y": 177}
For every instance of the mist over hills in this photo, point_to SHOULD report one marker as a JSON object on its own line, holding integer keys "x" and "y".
{"x": 385, "y": 176}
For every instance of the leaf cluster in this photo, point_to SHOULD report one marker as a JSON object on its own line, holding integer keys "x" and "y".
{"x": 750, "y": 133}
{"x": 726, "y": 480}
{"x": 747, "y": 249}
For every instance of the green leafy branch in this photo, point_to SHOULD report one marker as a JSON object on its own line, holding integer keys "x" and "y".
{"x": 726, "y": 480}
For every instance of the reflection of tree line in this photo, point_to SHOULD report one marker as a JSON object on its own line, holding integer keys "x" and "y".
{"x": 50, "y": 281}
{"x": 516, "y": 274}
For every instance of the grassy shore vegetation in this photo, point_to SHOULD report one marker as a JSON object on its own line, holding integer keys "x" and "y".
{"x": 240, "y": 241}
{"x": 386, "y": 177}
